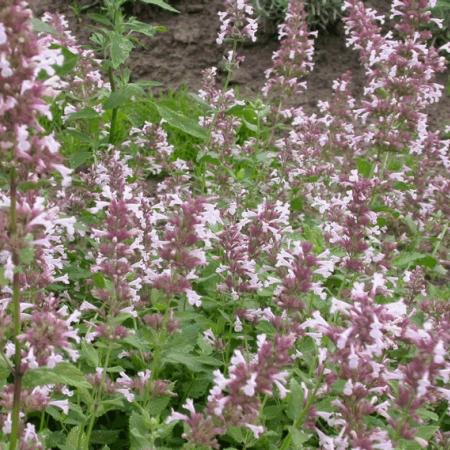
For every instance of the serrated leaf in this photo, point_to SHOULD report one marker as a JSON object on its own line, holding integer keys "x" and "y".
{"x": 182, "y": 122}
{"x": 63, "y": 373}
{"x": 162, "y": 4}
{"x": 426, "y": 414}
{"x": 139, "y": 432}
{"x": 120, "y": 49}
{"x": 158, "y": 405}
{"x": 427, "y": 431}
{"x": 75, "y": 440}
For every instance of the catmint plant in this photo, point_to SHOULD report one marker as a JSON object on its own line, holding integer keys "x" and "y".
{"x": 214, "y": 271}
{"x": 40, "y": 330}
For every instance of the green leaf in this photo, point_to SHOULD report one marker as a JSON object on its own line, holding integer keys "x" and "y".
{"x": 100, "y": 18}
{"x": 408, "y": 258}
{"x": 99, "y": 280}
{"x": 402, "y": 186}
{"x": 197, "y": 387}
{"x": 425, "y": 414}
{"x": 139, "y": 431}
{"x": 55, "y": 439}
{"x": 89, "y": 353}
{"x": 63, "y": 373}
{"x": 40, "y": 26}
{"x": 77, "y": 135}
{"x": 70, "y": 62}
{"x": 192, "y": 362}
{"x": 297, "y": 204}
{"x": 295, "y": 400}
{"x": 122, "y": 96}
{"x": 85, "y": 114}
{"x": 27, "y": 255}
{"x": 298, "y": 437}
{"x": 3, "y": 280}
{"x": 427, "y": 431}
{"x": 73, "y": 441}
{"x": 272, "y": 412}
{"x": 137, "y": 342}
{"x": 250, "y": 126}
{"x": 144, "y": 28}
{"x": 364, "y": 167}
{"x": 120, "y": 49}
{"x": 77, "y": 159}
{"x": 158, "y": 405}
{"x": 162, "y": 4}
{"x": 186, "y": 124}
{"x": 237, "y": 434}
{"x": 105, "y": 436}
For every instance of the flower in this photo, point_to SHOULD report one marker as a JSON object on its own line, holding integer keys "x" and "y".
{"x": 237, "y": 22}
{"x": 294, "y": 59}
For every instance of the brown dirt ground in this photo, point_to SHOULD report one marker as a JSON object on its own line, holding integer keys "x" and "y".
{"x": 177, "y": 57}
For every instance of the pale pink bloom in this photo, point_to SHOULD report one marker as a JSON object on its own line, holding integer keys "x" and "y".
{"x": 193, "y": 298}
{"x": 3, "y": 36}
{"x": 257, "y": 430}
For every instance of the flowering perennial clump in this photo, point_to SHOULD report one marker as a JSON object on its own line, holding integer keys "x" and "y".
{"x": 247, "y": 274}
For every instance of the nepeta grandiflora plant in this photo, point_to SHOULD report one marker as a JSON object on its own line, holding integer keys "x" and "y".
{"x": 281, "y": 290}
{"x": 37, "y": 329}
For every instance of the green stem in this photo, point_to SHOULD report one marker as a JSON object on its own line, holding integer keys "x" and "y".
{"x": 42, "y": 423}
{"x": 275, "y": 123}
{"x": 300, "y": 419}
{"x": 439, "y": 240}
{"x": 230, "y": 71}
{"x": 113, "y": 124}
{"x": 162, "y": 338}
{"x": 15, "y": 416}
{"x": 97, "y": 400}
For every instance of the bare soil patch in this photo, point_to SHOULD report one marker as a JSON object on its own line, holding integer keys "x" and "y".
{"x": 177, "y": 57}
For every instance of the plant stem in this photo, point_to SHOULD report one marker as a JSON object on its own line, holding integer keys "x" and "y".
{"x": 113, "y": 124}
{"x": 439, "y": 240}
{"x": 230, "y": 69}
{"x": 15, "y": 416}
{"x": 97, "y": 400}
{"x": 301, "y": 418}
